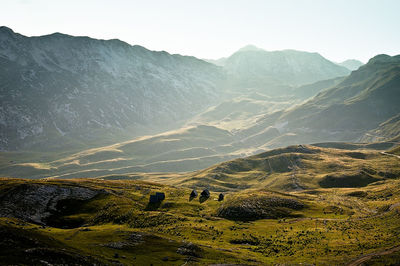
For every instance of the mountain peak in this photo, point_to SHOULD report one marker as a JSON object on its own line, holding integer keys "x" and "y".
{"x": 6, "y": 30}
{"x": 59, "y": 34}
{"x": 384, "y": 58}
{"x": 351, "y": 64}
{"x": 249, "y": 47}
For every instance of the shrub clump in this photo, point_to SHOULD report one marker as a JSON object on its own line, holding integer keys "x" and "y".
{"x": 256, "y": 207}
{"x": 358, "y": 194}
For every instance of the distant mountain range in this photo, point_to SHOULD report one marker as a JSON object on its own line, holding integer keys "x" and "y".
{"x": 276, "y": 72}
{"x": 361, "y": 107}
{"x": 78, "y": 92}
{"x": 81, "y": 90}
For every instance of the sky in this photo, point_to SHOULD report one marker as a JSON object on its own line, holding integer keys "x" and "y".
{"x": 337, "y": 29}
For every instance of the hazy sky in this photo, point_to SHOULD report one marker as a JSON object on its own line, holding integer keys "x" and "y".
{"x": 337, "y": 29}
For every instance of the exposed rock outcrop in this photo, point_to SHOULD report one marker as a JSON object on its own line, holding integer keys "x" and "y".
{"x": 36, "y": 202}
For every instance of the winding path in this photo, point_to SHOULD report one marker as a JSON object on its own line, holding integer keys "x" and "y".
{"x": 390, "y": 154}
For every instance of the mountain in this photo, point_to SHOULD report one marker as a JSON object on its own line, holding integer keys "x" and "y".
{"x": 66, "y": 91}
{"x": 76, "y": 93}
{"x": 345, "y": 111}
{"x": 276, "y": 71}
{"x": 366, "y": 98}
{"x": 351, "y": 64}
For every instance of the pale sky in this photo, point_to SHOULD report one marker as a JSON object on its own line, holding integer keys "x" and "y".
{"x": 337, "y": 29}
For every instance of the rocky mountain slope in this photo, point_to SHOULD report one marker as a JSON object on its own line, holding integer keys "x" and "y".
{"x": 83, "y": 89}
{"x": 76, "y": 92}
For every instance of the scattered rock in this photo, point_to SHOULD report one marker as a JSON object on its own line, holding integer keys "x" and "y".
{"x": 116, "y": 245}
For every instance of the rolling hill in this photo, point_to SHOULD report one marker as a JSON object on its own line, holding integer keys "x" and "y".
{"x": 297, "y": 168}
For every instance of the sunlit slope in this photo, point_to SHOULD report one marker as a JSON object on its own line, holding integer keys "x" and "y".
{"x": 298, "y": 168}
{"x": 186, "y": 149}
{"x": 242, "y": 111}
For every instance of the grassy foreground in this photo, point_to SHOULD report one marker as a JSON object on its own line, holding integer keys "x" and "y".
{"x": 251, "y": 227}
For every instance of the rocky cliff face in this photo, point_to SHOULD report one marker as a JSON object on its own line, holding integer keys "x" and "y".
{"x": 83, "y": 89}
{"x": 37, "y": 202}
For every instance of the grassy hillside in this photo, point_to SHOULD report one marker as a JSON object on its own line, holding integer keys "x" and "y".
{"x": 297, "y": 168}
{"x": 317, "y": 226}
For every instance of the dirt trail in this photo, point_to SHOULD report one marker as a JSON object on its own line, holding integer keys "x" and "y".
{"x": 367, "y": 257}
{"x": 389, "y": 154}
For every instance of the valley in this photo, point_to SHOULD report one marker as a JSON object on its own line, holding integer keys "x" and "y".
{"x": 114, "y": 154}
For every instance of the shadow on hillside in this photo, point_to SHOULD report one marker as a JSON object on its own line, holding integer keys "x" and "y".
{"x": 203, "y": 199}
{"x": 192, "y": 197}
{"x": 152, "y": 206}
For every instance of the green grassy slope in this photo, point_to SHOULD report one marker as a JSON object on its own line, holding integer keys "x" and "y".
{"x": 319, "y": 226}
{"x": 297, "y": 168}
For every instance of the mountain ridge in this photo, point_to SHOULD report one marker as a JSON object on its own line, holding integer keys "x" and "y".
{"x": 81, "y": 75}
